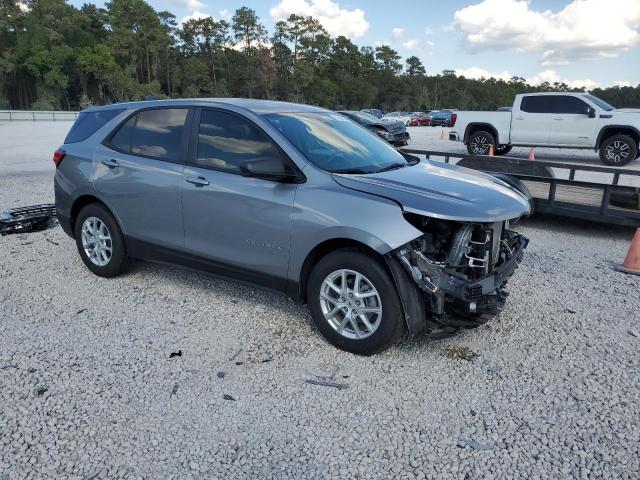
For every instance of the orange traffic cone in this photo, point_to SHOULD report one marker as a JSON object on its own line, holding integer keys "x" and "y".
{"x": 442, "y": 134}
{"x": 490, "y": 150}
{"x": 532, "y": 155}
{"x": 632, "y": 262}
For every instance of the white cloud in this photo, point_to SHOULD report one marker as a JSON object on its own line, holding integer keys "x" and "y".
{"x": 194, "y": 16}
{"x": 548, "y": 75}
{"x": 191, "y": 5}
{"x": 584, "y": 29}
{"x": 429, "y": 43}
{"x": 428, "y": 31}
{"x": 411, "y": 44}
{"x": 397, "y": 32}
{"x": 335, "y": 19}
{"x": 622, "y": 83}
{"x": 225, "y": 15}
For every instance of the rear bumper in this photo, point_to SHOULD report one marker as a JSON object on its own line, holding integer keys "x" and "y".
{"x": 65, "y": 223}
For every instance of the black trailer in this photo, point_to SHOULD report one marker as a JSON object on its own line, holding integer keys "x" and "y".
{"x": 561, "y": 188}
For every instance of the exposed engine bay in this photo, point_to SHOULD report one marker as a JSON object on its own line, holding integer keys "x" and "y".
{"x": 462, "y": 268}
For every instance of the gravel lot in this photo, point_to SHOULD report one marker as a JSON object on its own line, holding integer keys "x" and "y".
{"x": 88, "y": 389}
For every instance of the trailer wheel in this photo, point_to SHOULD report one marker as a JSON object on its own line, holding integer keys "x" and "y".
{"x": 503, "y": 149}
{"x": 479, "y": 143}
{"x": 618, "y": 150}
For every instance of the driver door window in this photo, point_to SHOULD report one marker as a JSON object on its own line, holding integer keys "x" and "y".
{"x": 226, "y": 141}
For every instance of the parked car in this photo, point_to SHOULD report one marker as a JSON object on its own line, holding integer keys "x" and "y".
{"x": 391, "y": 131}
{"x": 296, "y": 199}
{"x": 556, "y": 120}
{"x": 404, "y": 117}
{"x": 374, "y": 111}
{"x": 420, "y": 119}
{"x": 441, "y": 118}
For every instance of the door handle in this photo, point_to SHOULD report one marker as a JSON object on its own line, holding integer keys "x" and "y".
{"x": 198, "y": 181}
{"x": 558, "y": 118}
{"x": 111, "y": 163}
{"x": 519, "y": 118}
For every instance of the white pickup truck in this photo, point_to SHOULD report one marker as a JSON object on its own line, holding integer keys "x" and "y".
{"x": 559, "y": 120}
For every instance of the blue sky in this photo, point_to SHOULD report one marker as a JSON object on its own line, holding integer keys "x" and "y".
{"x": 584, "y": 42}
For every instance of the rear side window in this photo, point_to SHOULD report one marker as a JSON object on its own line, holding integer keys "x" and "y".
{"x": 89, "y": 122}
{"x": 538, "y": 104}
{"x": 122, "y": 138}
{"x": 226, "y": 141}
{"x": 567, "y": 104}
{"x": 158, "y": 133}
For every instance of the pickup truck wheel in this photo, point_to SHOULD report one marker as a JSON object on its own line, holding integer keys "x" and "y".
{"x": 503, "y": 149}
{"x": 618, "y": 150}
{"x": 479, "y": 142}
{"x": 354, "y": 302}
{"x": 100, "y": 241}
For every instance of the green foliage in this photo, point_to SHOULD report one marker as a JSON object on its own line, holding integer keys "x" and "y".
{"x": 53, "y": 55}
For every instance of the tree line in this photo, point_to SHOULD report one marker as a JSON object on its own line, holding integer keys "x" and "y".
{"x": 56, "y": 56}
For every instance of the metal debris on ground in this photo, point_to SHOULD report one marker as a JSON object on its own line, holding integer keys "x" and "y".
{"x": 327, "y": 382}
{"x": 27, "y": 219}
{"x": 460, "y": 353}
{"x": 226, "y": 396}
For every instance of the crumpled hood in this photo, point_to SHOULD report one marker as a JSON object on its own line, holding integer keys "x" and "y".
{"x": 444, "y": 191}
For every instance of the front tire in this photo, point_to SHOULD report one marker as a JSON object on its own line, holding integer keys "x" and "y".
{"x": 478, "y": 143}
{"x": 100, "y": 241}
{"x": 354, "y": 302}
{"x": 618, "y": 150}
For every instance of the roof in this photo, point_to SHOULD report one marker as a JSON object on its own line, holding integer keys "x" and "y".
{"x": 256, "y": 106}
{"x": 554, "y": 93}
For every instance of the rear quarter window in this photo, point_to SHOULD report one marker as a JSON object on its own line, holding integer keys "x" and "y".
{"x": 89, "y": 122}
{"x": 538, "y": 104}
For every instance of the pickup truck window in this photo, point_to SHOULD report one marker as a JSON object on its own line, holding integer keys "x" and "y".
{"x": 570, "y": 105}
{"x": 538, "y": 104}
{"x": 599, "y": 102}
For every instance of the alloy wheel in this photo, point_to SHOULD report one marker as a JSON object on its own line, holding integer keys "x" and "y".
{"x": 96, "y": 241}
{"x": 351, "y": 304}
{"x": 617, "y": 151}
{"x": 479, "y": 145}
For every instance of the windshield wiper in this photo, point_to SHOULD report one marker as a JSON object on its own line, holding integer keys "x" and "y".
{"x": 393, "y": 166}
{"x": 349, "y": 170}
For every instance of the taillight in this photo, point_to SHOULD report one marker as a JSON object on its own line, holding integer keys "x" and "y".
{"x": 454, "y": 117}
{"x": 58, "y": 156}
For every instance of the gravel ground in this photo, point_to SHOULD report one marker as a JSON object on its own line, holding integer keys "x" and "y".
{"x": 89, "y": 389}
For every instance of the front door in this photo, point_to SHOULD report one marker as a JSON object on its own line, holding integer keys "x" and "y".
{"x": 571, "y": 125}
{"x": 240, "y": 224}
{"x": 138, "y": 173}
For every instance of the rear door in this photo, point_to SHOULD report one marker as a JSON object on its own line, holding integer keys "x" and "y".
{"x": 242, "y": 225}
{"x": 571, "y": 125}
{"x": 531, "y": 123}
{"x": 138, "y": 172}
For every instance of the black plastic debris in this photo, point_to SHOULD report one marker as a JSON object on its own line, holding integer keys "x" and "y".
{"x": 324, "y": 382}
{"x": 27, "y": 219}
{"x": 174, "y": 390}
{"x": 220, "y": 374}
{"x": 41, "y": 391}
{"x": 226, "y": 396}
{"x": 175, "y": 354}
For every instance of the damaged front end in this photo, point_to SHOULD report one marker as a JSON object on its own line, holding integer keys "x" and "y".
{"x": 460, "y": 269}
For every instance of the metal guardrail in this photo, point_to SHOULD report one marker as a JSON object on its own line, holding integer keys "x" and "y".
{"x": 606, "y": 202}
{"x": 37, "y": 116}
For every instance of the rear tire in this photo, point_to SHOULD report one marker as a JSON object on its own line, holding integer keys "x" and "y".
{"x": 100, "y": 241}
{"x": 335, "y": 307}
{"x": 478, "y": 143}
{"x": 618, "y": 150}
{"x": 502, "y": 149}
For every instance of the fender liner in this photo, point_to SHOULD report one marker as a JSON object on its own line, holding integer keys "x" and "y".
{"x": 486, "y": 126}
{"x": 411, "y": 298}
{"x": 603, "y": 131}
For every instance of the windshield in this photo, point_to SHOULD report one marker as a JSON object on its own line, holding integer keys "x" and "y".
{"x": 336, "y": 144}
{"x": 599, "y": 102}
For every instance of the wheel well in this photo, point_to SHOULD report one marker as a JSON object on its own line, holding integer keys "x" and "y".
{"x": 79, "y": 204}
{"x": 611, "y": 131}
{"x": 323, "y": 249}
{"x": 477, "y": 127}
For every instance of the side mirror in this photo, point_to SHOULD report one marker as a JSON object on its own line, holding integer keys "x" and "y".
{"x": 591, "y": 112}
{"x": 268, "y": 169}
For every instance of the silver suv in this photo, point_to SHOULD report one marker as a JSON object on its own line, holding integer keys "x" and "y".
{"x": 296, "y": 199}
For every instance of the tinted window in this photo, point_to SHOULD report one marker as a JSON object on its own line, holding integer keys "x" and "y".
{"x": 333, "y": 143}
{"x": 226, "y": 141}
{"x": 599, "y": 102}
{"x": 538, "y": 104}
{"x": 158, "y": 133}
{"x": 122, "y": 138}
{"x": 566, "y": 104}
{"x": 89, "y": 122}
